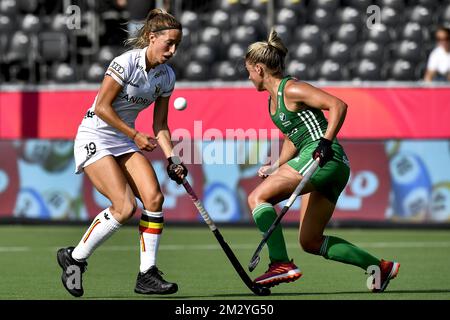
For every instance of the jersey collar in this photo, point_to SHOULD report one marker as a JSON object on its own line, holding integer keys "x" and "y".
{"x": 142, "y": 65}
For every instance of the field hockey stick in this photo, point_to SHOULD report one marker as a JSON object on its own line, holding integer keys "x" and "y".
{"x": 256, "y": 288}
{"x": 255, "y": 258}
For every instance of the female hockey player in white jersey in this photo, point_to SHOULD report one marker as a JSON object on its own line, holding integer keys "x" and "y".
{"x": 108, "y": 149}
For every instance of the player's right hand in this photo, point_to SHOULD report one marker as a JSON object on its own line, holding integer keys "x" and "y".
{"x": 265, "y": 171}
{"x": 145, "y": 142}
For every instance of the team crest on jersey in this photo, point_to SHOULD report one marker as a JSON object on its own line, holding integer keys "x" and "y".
{"x": 282, "y": 116}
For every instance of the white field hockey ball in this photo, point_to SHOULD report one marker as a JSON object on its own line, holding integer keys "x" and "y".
{"x": 180, "y": 103}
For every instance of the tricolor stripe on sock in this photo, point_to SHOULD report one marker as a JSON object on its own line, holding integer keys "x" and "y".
{"x": 150, "y": 224}
{"x": 96, "y": 223}
{"x": 141, "y": 236}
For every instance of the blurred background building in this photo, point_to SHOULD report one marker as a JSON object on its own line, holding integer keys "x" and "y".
{"x": 372, "y": 54}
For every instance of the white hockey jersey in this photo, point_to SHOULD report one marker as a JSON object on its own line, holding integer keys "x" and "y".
{"x": 140, "y": 89}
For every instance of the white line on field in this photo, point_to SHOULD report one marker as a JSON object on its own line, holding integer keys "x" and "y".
{"x": 245, "y": 246}
{"x": 14, "y": 249}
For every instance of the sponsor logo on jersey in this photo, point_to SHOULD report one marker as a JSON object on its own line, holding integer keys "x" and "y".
{"x": 136, "y": 100}
{"x": 159, "y": 74}
{"x": 132, "y": 84}
{"x": 282, "y": 116}
{"x": 89, "y": 114}
{"x": 117, "y": 67}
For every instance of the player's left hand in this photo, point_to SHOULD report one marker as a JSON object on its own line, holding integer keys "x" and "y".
{"x": 176, "y": 169}
{"x": 323, "y": 151}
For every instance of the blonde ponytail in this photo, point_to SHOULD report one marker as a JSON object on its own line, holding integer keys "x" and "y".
{"x": 271, "y": 53}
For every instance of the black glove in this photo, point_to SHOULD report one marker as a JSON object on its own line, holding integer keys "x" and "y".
{"x": 323, "y": 151}
{"x": 174, "y": 163}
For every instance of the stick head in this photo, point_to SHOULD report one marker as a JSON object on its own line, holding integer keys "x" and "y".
{"x": 261, "y": 291}
{"x": 253, "y": 263}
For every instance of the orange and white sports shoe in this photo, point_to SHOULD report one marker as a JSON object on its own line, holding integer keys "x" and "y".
{"x": 388, "y": 271}
{"x": 279, "y": 272}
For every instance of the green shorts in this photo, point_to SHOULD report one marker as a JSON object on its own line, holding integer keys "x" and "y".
{"x": 329, "y": 180}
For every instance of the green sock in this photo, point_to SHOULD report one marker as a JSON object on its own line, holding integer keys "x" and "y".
{"x": 338, "y": 249}
{"x": 264, "y": 215}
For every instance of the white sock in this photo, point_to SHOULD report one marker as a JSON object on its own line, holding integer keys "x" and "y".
{"x": 150, "y": 229}
{"x": 103, "y": 226}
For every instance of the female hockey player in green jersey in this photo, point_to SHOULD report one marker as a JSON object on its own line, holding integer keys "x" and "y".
{"x": 296, "y": 108}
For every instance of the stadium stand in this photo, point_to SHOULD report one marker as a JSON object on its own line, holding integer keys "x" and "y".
{"x": 328, "y": 39}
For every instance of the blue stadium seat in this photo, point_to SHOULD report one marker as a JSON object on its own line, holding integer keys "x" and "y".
{"x": 106, "y": 54}
{"x": 361, "y": 5}
{"x": 196, "y": 71}
{"x": 390, "y": 17}
{"x": 302, "y": 70}
{"x": 295, "y": 5}
{"x": 331, "y": 71}
{"x": 236, "y": 52}
{"x": 350, "y": 15}
{"x": 19, "y": 47}
{"x": 219, "y": 19}
{"x": 231, "y": 6}
{"x": 430, "y": 4}
{"x": 284, "y": 33}
{"x": 190, "y": 20}
{"x": 305, "y": 52}
{"x": 259, "y": 5}
{"x": 8, "y": 7}
{"x": 322, "y": 18}
{"x": 309, "y": 33}
{"x": 95, "y": 73}
{"x": 287, "y": 17}
{"x": 204, "y": 54}
{"x": 63, "y": 73}
{"x": 244, "y": 35}
{"x": 445, "y": 15}
{"x": 371, "y": 50}
{"x": 399, "y": 5}
{"x": 27, "y": 6}
{"x": 380, "y": 33}
{"x": 367, "y": 70}
{"x": 408, "y": 50}
{"x": 256, "y": 20}
{"x": 226, "y": 71}
{"x": 402, "y": 70}
{"x": 421, "y": 15}
{"x": 346, "y": 33}
{"x": 7, "y": 24}
{"x": 328, "y": 5}
{"x": 414, "y": 32}
{"x": 212, "y": 37}
{"x": 338, "y": 52}
{"x": 31, "y": 23}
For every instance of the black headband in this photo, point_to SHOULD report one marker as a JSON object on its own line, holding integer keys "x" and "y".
{"x": 165, "y": 28}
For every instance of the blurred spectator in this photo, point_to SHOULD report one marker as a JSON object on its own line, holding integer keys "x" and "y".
{"x": 438, "y": 67}
{"x": 138, "y": 10}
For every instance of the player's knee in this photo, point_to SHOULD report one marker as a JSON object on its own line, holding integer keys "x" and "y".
{"x": 309, "y": 245}
{"x": 154, "y": 201}
{"x": 125, "y": 208}
{"x": 254, "y": 199}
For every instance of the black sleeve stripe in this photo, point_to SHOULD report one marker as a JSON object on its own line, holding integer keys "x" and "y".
{"x": 152, "y": 219}
{"x": 114, "y": 71}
